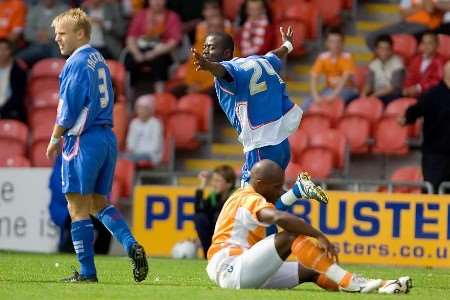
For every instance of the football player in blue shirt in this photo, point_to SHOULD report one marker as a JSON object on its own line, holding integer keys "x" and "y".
{"x": 253, "y": 96}
{"x": 89, "y": 153}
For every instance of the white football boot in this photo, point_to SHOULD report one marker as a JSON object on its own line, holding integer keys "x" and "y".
{"x": 362, "y": 285}
{"x": 397, "y": 286}
{"x": 309, "y": 190}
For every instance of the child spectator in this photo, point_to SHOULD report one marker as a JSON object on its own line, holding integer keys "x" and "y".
{"x": 145, "y": 134}
{"x": 386, "y": 72}
{"x": 426, "y": 69}
{"x": 338, "y": 68}
{"x": 222, "y": 182}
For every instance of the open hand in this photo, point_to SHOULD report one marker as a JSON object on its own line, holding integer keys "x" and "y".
{"x": 200, "y": 62}
{"x": 52, "y": 150}
{"x": 329, "y": 248}
{"x": 287, "y": 36}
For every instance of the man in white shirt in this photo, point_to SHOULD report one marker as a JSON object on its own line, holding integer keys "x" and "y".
{"x": 145, "y": 134}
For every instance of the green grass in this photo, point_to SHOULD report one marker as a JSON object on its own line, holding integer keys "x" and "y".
{"x": 34, "y": 276}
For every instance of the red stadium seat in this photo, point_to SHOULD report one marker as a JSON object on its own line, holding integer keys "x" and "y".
{"x": 201, "y": 106}
{"x": 333, "y": 110}
{"x": 318, "y": 162}
{"x": 45, "y": 99}
{"x": 410, "y": 173}
{"x": 299, "y": 142}
{"x": 314, "y": 123}
{"x": 40, "y": 136}
{"x": 165, "y": 104}
{"x": 184, "y": 129}
{"x": 14, "y": 161}
{"x": 36, "y": 86}
{"x": 124, "y": 175}
{"x": 329, "y": 11}
{"x": 118, "y": 75}
{"x": 300, "y": 32}
{"x": 42, "y": 116}
{"x": 114, "y": 197}
{"x": 370, "y": 108}
{"x": 231, "y": 8}
{"x": 444, "y": 46}
{"x": 398, "y": 108}
{"x": 291, "y": 173}
{"x": 405, "y": 45}
{"x": 13, "y": 138}
{"x": 296, "y": 10}
{"x": 333, "y": 140}
{"x": 390, "y": 137}
{"x": 357, "y": 132}
{"x": 120, "y": 115}
{"x": 48, "y": 67}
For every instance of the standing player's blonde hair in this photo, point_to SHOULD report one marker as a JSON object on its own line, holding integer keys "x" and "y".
{"x": 77, "y": 17}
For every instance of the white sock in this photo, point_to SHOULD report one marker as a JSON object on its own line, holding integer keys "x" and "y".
{"x": 288, "y": 198}
{"x": 336, "y": 273}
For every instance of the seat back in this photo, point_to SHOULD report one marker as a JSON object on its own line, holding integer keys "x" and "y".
{"x": 201, "y": 106}
{"x": 408, "y": 173}
{"x": 165, "y": 104}
{"x": 118, "y": 75}
{"x": 124, "y": 174}
{"x": 370, "y": 108}
{"x": 184, "y": 128}
{"x": 390, "y": 137}
{"x": 14, "y": 161}
{"x": 333, "y": 110}
{"x": 318, "y": 162}
{"x": 405, "y": 45}
{"x": 357, "y": 132}
{"x": 444, "y": 46}
{"x": 13, "y": 138}
{"x": 120, "y": 115}
{"x": 48, "y": 67}
{"x": 333, "y": 140}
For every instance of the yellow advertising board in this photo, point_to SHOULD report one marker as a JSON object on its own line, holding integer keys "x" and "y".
{"x": 368, "y": 228}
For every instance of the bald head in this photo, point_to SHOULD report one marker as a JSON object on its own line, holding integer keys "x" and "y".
{"x": 266, "y": 170}
{"x": 267, "y": 178}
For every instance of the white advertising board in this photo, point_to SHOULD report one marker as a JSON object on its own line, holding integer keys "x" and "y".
{"x": 25, "y": 223}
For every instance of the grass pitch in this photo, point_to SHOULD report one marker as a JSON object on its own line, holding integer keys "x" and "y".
{"x": 35, "y": 276}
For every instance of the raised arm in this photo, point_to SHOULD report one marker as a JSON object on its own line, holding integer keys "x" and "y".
{"x": 286, "y": 47}
{"x": 215, "y": 68}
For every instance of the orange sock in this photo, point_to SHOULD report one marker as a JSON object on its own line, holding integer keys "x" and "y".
{"x": 326, "y": 283}
{"x": 310, "y": 255}
{"x": 313, "y": 257}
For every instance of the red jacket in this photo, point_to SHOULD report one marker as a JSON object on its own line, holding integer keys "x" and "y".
{"x": 429, "y": 78}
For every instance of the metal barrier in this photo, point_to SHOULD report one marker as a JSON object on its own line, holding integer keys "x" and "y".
{"x": 443, "y": 187}
{"x": 355, "y": 185}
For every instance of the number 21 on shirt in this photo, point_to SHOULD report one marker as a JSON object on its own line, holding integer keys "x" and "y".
{"x": 257, "y": 65}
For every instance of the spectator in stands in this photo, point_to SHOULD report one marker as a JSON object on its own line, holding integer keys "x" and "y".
{"x": 13, "y": 80}
{"x": 425, "y": 69}
{"x": 108, "y": 27}
{"x": 154, "y": 32}
{"x": 338, "y": 68}
{"x": 12, "y": 19}
{"x": 417, "y": 16}
{"x": 434, "y": 106}
{"x": 222, "y": 182}
{"x": 386, "y": 72}
{"x": 38, "y": 32}
{"x": 256, "y": 32}
{"x": 145, "y": 134}
{"x": 190, "y": 13}
{"x": 60, "y": 216}
{"x": 214, "y": 21}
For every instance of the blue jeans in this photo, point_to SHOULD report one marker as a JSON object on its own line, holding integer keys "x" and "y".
{"x": 347, "y": 94}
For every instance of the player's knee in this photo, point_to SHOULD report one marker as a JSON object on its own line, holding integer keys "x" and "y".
{"x": 283, "y": 243}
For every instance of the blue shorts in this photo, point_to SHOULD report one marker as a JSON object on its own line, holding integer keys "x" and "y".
{"x": 89, "y": 161}
{"x": 281, "y": 154}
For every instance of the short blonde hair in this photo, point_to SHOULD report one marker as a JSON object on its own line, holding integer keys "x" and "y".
{"x": 77, "y": 17}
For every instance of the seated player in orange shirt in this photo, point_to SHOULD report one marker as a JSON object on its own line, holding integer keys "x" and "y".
{"x": 12, "y": 19}
{"x": 242, "y": 257}
{"x": 337, "y": 66}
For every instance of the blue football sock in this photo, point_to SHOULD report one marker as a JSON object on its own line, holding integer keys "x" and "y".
{"x": 284, "y": 203}
{"x": 113, "y": 220}
{"x": 83, "y": 242}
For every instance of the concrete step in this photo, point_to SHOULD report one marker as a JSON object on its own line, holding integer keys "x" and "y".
{"x": 226, "y": 149}
{"x": 362, "y": 57}
{"x": 209, "y": 164}
{"x": 382, "y": 8}
{"x": 229, "y": 133}
{"x": 188, "y": 181}
{"x": 367, "y": 26}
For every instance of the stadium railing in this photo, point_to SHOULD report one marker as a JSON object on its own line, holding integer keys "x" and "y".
{"x": 444, "y": 187}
